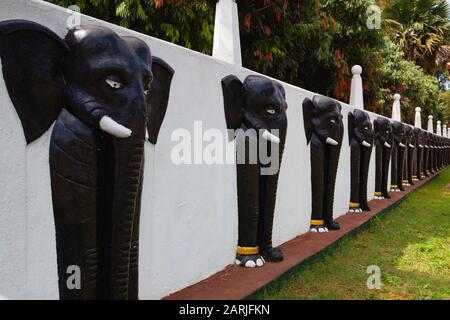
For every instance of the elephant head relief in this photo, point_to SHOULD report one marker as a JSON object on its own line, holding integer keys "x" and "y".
{"x": 419, "y": 154}
{"x": 256, "y": 111}
{"x": 361, "y": 136}
{"x": 398, "y": 156}
{"x": 105, "y": 92}
{"x": 383, "y": 148}
{"x": 324, "y": 131}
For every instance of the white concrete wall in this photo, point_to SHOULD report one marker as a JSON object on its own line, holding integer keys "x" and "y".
{"x": 189, "y": 212}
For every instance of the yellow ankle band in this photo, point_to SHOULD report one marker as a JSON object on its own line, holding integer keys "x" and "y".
{"x": 247, "y": 250}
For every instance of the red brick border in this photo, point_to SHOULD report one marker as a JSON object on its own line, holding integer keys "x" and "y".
{"x": 235, "y": 283}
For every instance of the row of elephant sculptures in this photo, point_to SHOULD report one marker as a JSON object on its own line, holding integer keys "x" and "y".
{"x": 107, "y": 95}
{"x": 260, "y": 103}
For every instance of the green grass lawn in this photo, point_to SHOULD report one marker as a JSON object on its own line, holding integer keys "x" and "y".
{"x": 410, "y": 243}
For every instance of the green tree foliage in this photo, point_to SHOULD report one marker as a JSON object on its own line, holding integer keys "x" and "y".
{"x": 421, "y": 29}
{"x": 308, "y": 43}
{"x": 187, "y": 23}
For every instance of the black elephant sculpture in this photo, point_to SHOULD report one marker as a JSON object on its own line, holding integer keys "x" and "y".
{"x": 383, "y": 149}
{"x": 255, "y": 112}
{"x": 361, "y": 136}
{"x": 419, "y": 154}
{"x": 324, "y": 131}
{"x": 96, "y": 85}
{"x": 427, "y": 154}
{"x": 436, "y": 147}
{"x": 408, "y": 170}
{"x": 398, "y": 156}
{"x": 431, "y": 160}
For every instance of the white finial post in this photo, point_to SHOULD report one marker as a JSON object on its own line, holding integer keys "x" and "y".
{"x": 396, "y": 113}
{"x": 444, "y": 130}
{"x": 356, "y": 90}
{"x": 430, "y": 124}
{"x": 438, "y": 128}
{"x": 227, "y": 45}
{"x": 418, "y": 119}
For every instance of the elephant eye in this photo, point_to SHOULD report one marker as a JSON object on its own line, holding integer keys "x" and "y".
{"x": 113, "y": 83}
{"x": 333, "y": 121}
{"x": 146, "y": 92}
{"x": 270, "y": 111}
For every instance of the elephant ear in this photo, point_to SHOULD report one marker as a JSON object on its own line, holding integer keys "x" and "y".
{"x": 233, "y": 102}
{"x": 308, "y": 110}
{"x": 159, "y": 97}
{"x": 351, "y": 126}
{"x": 32, "y": 59}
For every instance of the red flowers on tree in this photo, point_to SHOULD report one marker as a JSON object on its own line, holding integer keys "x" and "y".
{"x": 248, "y": 20}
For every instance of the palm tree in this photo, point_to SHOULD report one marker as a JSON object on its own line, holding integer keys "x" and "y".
{"x": 421, "y": 29}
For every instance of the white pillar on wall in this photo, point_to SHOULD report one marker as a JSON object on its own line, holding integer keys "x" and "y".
{"x": 356, "y": 90}
{"x": 396, "y": 113}
{"x": 430, "y": 124}
{"x": 227, "y": 44}
{"x": 448, "y": 132}
{"x": 438, "y": 128}
{"x": 418, "y": 119}
{"x": 444, "y": 130}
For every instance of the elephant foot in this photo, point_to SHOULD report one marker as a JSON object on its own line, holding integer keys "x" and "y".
{"x": 355, "y": 210}
{"x": 333, "y": 225}
{"x": 273, "y": 255}
{"x": 378, "y": 197}
{"x": 318, "y": 229}
{"x": 395, "y": 189}
{"x": 249, "y": 260}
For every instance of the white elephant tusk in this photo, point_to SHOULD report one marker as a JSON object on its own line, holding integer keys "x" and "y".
{"x": 420, "y": 146}
{"x": 270, "y": 137}
{"x": 387, "y": 145}
{"x": 401, "y": 145}
{"x": 332, "y": 141}
{"x": 366, "y": 144}
{"x": 411, "y": 146}
{"x": 112, "y": 127}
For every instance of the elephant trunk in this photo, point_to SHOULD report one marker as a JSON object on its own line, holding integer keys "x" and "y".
{"x": 378, "y": 168}
{"x": 426, "y": 153}
{"x": 386, "y": 157}
{"x": 268, "y": 195}
{"x": 394, "y": 166}
{"x": 363, "y": 175}
{"x": 332, "y": 160}
{"x": 127, "y": 184}
{"x": 355, "y": 160}
{"x": 401, "y": 164}
{"x": 411, "y": 153}
{"x": 418, "y": 162}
